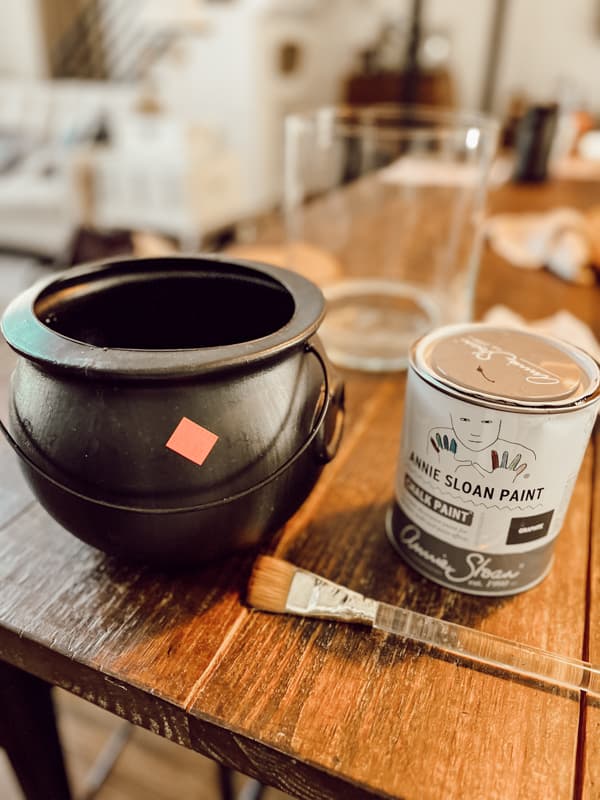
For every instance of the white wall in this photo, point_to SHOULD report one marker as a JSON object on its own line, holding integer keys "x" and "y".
{"x": 21, "y": 52}
{"x": 549, "y": 45}
{"x": 467, "y": 23}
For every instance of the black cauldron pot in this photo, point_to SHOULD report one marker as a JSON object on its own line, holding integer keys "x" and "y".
{"x": 174, "y": 409}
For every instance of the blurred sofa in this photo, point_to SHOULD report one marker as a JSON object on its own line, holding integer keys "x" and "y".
{"x": 76, "y": 153}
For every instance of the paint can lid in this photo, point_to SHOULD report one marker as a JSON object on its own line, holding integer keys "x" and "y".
{"x": 507, "y": 365}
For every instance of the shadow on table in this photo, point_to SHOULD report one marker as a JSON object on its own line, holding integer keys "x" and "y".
{"x": 363, "y": 559}
{"x": 351, "y": 548}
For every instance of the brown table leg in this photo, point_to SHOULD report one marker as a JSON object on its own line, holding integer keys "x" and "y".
{"x": 28, "y": 734}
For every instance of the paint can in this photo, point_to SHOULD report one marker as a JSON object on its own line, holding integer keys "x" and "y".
{"x": 495, "y": 428}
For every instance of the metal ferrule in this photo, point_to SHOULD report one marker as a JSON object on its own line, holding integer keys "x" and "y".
{"x": 313, "y": 596}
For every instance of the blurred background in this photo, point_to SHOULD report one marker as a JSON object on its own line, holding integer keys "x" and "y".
{"x": 126, "y": 120}
{"x": 147, "y": 126}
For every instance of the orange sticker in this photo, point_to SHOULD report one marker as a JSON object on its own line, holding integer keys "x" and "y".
{"x": 192, "y": 441}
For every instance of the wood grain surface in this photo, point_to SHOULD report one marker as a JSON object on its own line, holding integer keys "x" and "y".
{"x": 324, "y": 710}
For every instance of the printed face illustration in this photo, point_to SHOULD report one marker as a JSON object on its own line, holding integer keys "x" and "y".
{"x": 475, "y": 429}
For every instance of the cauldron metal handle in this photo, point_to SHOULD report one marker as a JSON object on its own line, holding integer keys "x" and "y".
{"x": 328, "y": 453}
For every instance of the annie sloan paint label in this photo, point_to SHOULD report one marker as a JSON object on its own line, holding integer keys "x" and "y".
{"x": 483, "y": 486}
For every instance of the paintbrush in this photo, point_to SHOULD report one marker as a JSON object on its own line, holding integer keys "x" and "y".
{"x": 280, "y": 587}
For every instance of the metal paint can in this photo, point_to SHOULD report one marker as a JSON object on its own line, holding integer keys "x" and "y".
{"x": 495, "y": 428}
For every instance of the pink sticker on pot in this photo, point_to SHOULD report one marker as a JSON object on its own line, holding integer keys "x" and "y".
{"x": 192, "y": 441}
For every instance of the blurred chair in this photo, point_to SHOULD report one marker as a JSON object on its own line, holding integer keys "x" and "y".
{"x": 160, "y": 174}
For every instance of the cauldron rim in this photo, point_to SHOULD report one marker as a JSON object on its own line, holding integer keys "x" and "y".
{"x": 36, "y": 341}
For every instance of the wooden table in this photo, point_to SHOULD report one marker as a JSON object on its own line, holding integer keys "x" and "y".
{"x": 323, "y": 710}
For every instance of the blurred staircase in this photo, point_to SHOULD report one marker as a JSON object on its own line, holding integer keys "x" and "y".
{"x": 102, "y": 39}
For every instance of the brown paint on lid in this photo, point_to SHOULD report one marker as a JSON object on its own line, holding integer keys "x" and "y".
{"x": 510, "y": 365}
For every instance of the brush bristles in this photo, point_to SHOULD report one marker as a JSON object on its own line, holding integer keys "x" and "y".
{"x": 269, "y": 583}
